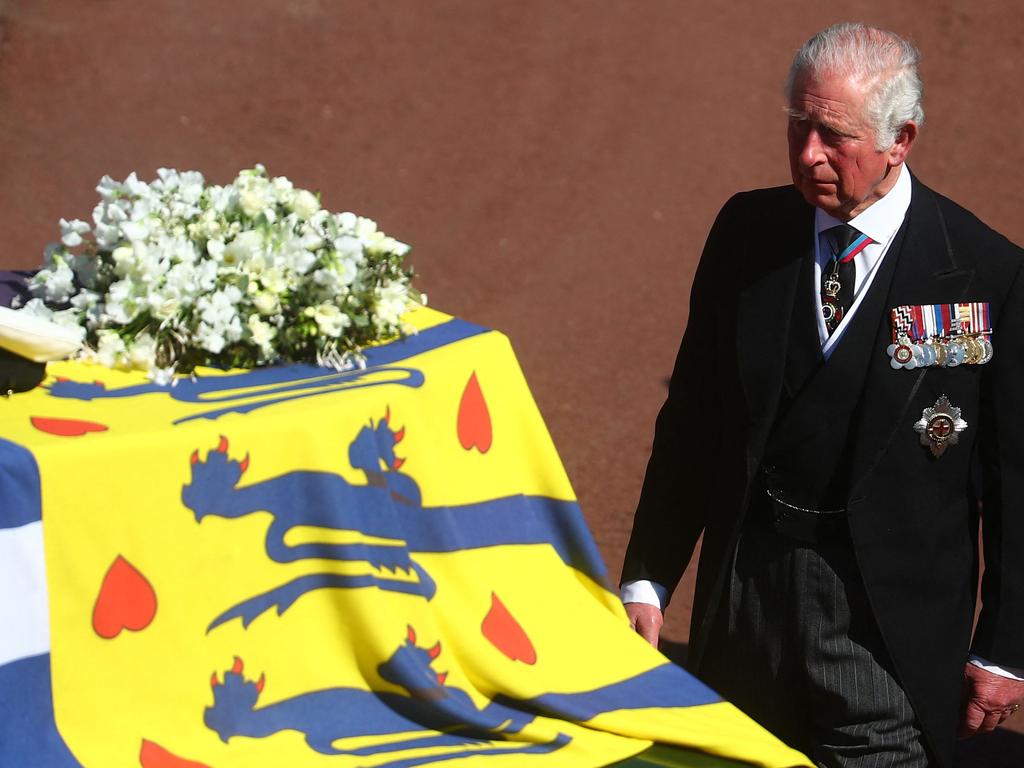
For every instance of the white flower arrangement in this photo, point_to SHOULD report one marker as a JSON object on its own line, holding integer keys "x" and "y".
{"x": 177, "y": 273}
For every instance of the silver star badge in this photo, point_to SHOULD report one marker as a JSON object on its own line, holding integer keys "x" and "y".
{"x": 940, "y": 426}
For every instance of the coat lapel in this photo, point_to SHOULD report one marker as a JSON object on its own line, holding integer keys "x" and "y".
{"x": 765, "y": 314}
{"x": 804, "y": 357}
{"x": 926, "y": 273}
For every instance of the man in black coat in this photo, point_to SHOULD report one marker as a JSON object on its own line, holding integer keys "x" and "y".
{"x": 848, "y": 395}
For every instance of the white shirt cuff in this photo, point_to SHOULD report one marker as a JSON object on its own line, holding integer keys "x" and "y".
{"x": 1011, "y": 672}
{"x": 643, "y": 591}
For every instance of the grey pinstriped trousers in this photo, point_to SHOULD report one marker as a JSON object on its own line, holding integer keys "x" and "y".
{"x": 799, "y": 651}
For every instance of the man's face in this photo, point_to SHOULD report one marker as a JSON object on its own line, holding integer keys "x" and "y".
{"x": 832, "y": 153}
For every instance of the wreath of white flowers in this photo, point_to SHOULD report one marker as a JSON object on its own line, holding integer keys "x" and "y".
{"x": 177, "y": 273}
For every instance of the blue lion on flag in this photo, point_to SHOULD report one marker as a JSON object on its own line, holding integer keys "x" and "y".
{"x": 388, "y": 505}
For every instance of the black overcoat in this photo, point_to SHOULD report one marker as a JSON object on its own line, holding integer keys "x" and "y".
{"x": 913, "y": 518}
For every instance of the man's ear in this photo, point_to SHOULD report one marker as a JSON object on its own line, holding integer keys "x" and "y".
{"x": 901, "y": 146}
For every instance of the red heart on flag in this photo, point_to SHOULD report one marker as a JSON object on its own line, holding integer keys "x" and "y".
{"x": 126, "y": 601}
{"x": 153, "y": 755}
{"x": 66, "y": 427}
{"x": 474, "y": 424}
{"x": 506, "y": 634}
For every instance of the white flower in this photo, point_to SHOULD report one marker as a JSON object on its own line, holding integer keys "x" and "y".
{"x": 215, "y": 248}
{"x": 135, "y": 187}
{"x": 135, "y": 230}
{"x": 206, "y": 275}
{"x": 124, "y": 259}
{"x": 274, "y": 280}
{"x": 284, "y": 190}
{"x": 392, "y": 298}
{"x": 109, "y": 189}
{"x": 119, "y": 307}
{"x": 263, "y": 334}
{"x": 142, "y": 352}
{"x": 305, "y": 204}
{"x": 223, "y": 199}
{"x": 242, "y": 248}
{"x": 390, "y": 245}
{"x": 330, "y": 320}
{"x": 255, "y": 195}
{"x": 71, "y": 232}
{"x": 218, "y": 308}
{"x": 265, "y": 302}
{"x": 60, "y": 284}
{"x": 110, "y": 349}
{"x": 311, "y": 241}
{"x": 349, "y": 247}
{"x": 191, "y": 183}
{"x": 365, "y": 227}
{"x": 37, "y": 308}
{"x": 107, "y": 235}
{"x": 163, "y": 306}
{"x": 162, "y": 376}
{"x": 85, "y": 300}
{"x": 347, "y": 221}
{"x": 297, "y": 258}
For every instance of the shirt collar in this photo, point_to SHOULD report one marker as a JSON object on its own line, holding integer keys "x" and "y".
{"x": 882, "y": 218}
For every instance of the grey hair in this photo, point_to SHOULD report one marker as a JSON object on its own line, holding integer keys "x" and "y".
{"x": 881, "y": 60}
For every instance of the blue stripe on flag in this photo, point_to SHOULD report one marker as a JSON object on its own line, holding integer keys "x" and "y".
{"x": 664, "y": 686}
{"x": 28, "y": 733}
{"x": 424, "y": 341}
{"x": 19, "y": 486}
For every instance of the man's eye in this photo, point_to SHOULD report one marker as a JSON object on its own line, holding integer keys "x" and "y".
{"x": 831, "y": 136}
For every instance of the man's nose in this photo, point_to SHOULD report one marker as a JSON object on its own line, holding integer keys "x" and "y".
{"x": 811, "y": 150}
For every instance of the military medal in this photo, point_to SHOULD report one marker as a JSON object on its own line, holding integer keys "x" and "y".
{"x": 986, "y": 346}
{"x": 920, "y": 355}
{"x": 974, "y": 351}
{"x": 902, "y": 355}
{"x": 956, "y": 354}
{"x": 943, "y": 335}
{"x": 940, "y": 426}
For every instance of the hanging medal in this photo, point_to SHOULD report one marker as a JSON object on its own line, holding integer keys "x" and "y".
{"x": 986, "y": 346}
{"x": 901, "y": 354}
{"x": 831, "y": 309}
{"x": 956, "y": 353}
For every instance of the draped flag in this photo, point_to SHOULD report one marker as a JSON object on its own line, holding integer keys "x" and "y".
{"x": 381, "y": 567}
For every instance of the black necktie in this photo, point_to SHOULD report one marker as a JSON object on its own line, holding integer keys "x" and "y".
{"x": 839, "y": 273}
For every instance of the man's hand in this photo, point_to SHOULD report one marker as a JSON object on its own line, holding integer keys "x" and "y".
{"x": 988, "y": 699}
{"x": 646, "y": 620}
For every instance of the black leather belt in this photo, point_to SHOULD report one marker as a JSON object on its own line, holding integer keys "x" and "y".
{"x": 807, "y": 525}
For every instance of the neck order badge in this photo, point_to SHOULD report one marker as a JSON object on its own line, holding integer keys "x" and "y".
{"x": 384, "y": 567}
{"x": 838, "y": 278}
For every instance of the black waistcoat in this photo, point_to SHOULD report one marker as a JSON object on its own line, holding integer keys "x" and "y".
{"x": 806, "y": 459}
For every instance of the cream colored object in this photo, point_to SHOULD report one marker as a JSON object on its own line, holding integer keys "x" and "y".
{"x": 37, "y": 339}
